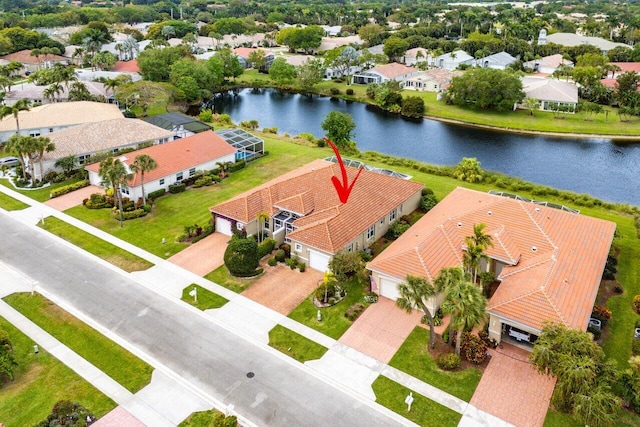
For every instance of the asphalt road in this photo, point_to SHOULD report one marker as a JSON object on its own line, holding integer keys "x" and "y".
{"x": 208, "y": 356}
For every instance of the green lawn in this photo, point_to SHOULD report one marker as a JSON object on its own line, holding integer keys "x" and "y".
{"x": 413, "y": 358}
{"x": 40, "y": 194}
{"x": 121, "y": 365}
{"x": 202, "y": 419}
{"x": 295, "y": 345}
{"x": 98, "y": 247}
{"x": 175, "y": 211}
{"x": 558, "y": 419}
{"x": 8, "y": 203}
{"x": 333, "y": 323}
{"x": 40, "y": 381}
{"x": 222, "y": 277}
{"x": 206, "y": 298}
{"x": 424, "y": 411}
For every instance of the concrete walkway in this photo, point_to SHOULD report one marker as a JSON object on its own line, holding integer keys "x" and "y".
{"x": 244, "y": 317}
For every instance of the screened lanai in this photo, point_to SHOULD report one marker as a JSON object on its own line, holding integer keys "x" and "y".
{"x": 249, "y": 146}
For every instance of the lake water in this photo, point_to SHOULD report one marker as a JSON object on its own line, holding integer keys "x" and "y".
{"x": 599, "y": 167}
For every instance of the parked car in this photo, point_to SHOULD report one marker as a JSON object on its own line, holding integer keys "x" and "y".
{"x": 9, "y": 161}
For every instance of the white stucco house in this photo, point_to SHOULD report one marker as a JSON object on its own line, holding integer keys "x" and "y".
{"x": 434, "y": 80}
{"x": 177, "y": 160}
{"x": 548, "y": 64}
{"x": 551, "y": 93}
{"x": 452, "y": 60}
{"x": 384, "y": 73}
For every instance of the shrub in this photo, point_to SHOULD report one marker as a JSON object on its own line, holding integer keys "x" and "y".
{"x": 618, "y": 289}
{"x": 427, "y": 191}
{"x": 177, "y": 188}
{"x": 302, "y": 266}
{"x": 601, "y": 313}
{"x": 448, "y": 361}
{"x": 321, "y": 143}
{"x": 204, "y": 181}
{"x": 280, "y": 255}
{"x": 127, "y": 215}
{"x": 147, "y": 208}
{"x": 97, "y": 201}
{"x": 396, "y": 230}
{"x": 56, "y": 192}
{"x": 273, "y": 130}
{"x": 595, "y": 331}
{"x": 334, "y": 91}
{"x": 445, "y": 335}
{"x": 287, "y": 249}
{"x": 241, "y": 257}
{"x": 272, "y": 262}
{"x": 428, "y": 202}
{"x": 371, "y": 298}
{"x": 354, "y": 311}
{"x": 206, "y": 116}
{"x": 350, "y": 92}
{"x": 325, "y": 291}
{"x": 292, "y": 263}
{"x": 635, "y": 347}
{"x": 636, "y": 304}
{"x": 266, "y": 247}
{"x": 345, "y": 265}
{"x": 413, "y": 106}
{"x": 237, "y": 166}
{"x": 155, "y": 194}
{"x": 474, "y": 349}
{"x": 66, "y": 413}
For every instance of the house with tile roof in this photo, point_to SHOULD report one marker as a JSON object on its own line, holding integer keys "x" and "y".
{"x": 548, "y": 261}
{"x": 243, "y": 56}
{"x": 384, "y": 73}
{"x": 44, "y": 119}
{"x": 572, "y": 39}
{"x": 32, "y": 63}
{"x": 87, "y": 139}
{"x": 551, "y": 93}
{"x": 37, "y": 93}
{"x": 305, "y": 211}
{"x": 177, "y": 160}
{"x": 433, "y": 80}
{"x": 548, "y": 64}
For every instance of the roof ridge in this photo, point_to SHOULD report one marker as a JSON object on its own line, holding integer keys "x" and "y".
{"x": 453, "y": 248}
{"x": 501, "y": 243}
{"x": 543, "y": 289}
{"x": 544, "y": 233}
{"x": 424, "y": 266}
{"x": 527, "y": 267}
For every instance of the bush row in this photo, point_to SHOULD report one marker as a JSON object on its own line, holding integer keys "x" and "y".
{"x": 56, "y": 192}
{"x": 177, "y": 188}
{"x": 156, "y": 194}
{"x": 127, "y": 215}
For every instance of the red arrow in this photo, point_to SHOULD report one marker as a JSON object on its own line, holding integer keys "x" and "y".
{"x": 343, "y": 188}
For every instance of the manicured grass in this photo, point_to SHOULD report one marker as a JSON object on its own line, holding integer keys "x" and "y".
{"x": 222, "y": 277}
{"x": 41, "y": 380}
{"x": 206, "y": 298}
{"x": 413, "y": 358}
{"x": 100, "y": 248}
{"x": 8, "y": 203}
{"x": 175, "y": 211}
{"x": 424, "y": 411}
{"x": 40, "y": 194}
{"x": 333, "y": 323}
{"x": 201, "y": 419}
{"x": 295, "y": 345}
{"x": 121, "y": 365}
{"x": 558, "y": 419}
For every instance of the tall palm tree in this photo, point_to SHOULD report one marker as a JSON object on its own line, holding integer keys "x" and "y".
{"x": 43, "y": 145}
{"x": 23, "y": 104}
{"x": 414, "y": 293}
{"x": 447, "y": 281}
{"x": 261, "y": 217}
{"x": 467, "y": 307}
{"x": 114, "y": 173}
{"x": 17, "y": 146}
{"x": 477, "y": 243}
{"x": 143, "y": 163}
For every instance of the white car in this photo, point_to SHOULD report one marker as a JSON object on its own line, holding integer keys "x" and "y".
{"x": 9, "y": 161}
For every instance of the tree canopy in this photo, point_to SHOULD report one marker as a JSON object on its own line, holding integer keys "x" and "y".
{"x": 339, "y": 127}
{"x": 486, "y": 88}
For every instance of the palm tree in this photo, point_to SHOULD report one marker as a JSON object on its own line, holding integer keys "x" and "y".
{"x": 476, "y": 245}
{"x": 111, "y": 85}
{"x": 413, "y": 294}
{"x": 43, "y": 145}
{"x": 143, "y": 163}
{"x": 17, "y": 146}
{"x": 23, "y": 104}
{"x": 261, "y": 217}
{"x": 447, "y": 280}
{"x": 114, "y": 173}
{"x": 467, "y": 306}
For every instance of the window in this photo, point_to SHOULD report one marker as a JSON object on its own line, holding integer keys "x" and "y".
{"x": 115, "y": 150}
{"x": 161, "y": 181}
{"x": 382, "y": 221}
{"x": 392, "y": 215}
{"x": 350, "y": 247}
{"x": 239, "y": 225}
{"x": 266, "y": 224}
{"x": 298, "y": 247}
{"x": 192, "y": 171}
{"x": 371, "y": 231}
{"x": 34, "y": 133}
{"x": 50, "y": 130}
{"x": 124, "y": 189}
{"x": 179, "y": 176}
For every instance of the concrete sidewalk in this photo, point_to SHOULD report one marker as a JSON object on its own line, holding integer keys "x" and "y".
{"x": 252, "y": 321}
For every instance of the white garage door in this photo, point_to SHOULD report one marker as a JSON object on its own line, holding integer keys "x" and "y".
{"x": 318, "y": 261}
{"x": 389, "y": 289}
{"x": 223, "y": 226}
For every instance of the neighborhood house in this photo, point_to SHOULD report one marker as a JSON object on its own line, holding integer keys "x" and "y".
{"x": 384, "y": 73}
{"x": 553, "y": 95}
{"x": 176, "y": 161}
{"x": 548, "y": 262}
{"x": 303, "y": 209}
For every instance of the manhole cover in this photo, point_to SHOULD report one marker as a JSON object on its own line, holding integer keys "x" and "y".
{"x": 250, "y": 374}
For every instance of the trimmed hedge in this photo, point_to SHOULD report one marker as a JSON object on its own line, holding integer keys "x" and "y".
{"x": 177, "y": 188}
{"x": 155, "y": 194}
{"x": 56, "y": 192}
{"x": 241, "y": 257}
{"x": 137, "y": 213}
{"x": 266, "y": 247}
{"x": 237, "y": 166}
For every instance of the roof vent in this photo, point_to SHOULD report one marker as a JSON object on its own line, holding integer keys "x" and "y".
{"x": 489, "y": 213}
{"x": 537, "y": 209}
{"x": 459, "y": 224}
{"x": 534, "y": 248}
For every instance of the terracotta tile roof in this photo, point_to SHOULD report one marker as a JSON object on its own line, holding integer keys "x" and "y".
{"x": 178, "y": 155}
{"x": 24, "y": 57}
{"x": 329, "y": 225}
{"x": 245, "y": 51}
{"x": 61, "y": 114}
{"x": 100, "y": 136}
{"x": 393, "y": 70}
{"x": 32, "y": 91}
{"x": 559, "y": 255}
{"x": 627, "y": 66}
{"x": 127, "y": 66}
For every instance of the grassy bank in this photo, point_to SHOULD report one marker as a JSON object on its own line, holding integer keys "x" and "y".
{"x": 295, "y": 345}
{"x": 41, "y": 380}
{"x": 8, "y": 203}
{"x": 121, "y": 365}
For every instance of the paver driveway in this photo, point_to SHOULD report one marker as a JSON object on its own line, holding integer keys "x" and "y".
{"x": 282, "y": 289}
{"x": 74, "y": 198}
{"x": 203, "y": 257}
{"x": 381, "y": 329}
{"x": 511, "y": 388}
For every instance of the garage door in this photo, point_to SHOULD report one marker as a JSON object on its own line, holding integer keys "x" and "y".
{"x": 318, "y": 261}
{"x": 389, "y": 289}
{"x": 223, "y": 226}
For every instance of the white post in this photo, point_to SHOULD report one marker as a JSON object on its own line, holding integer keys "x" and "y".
{"x": 409, "y": 401}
